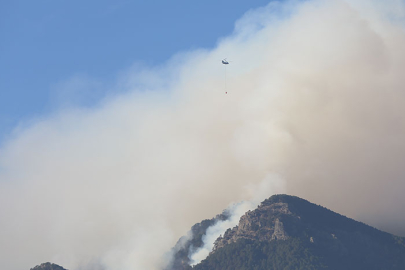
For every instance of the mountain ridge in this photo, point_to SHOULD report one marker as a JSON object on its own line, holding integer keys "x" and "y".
{"x": 48, "y": 266}
{"x": 287, "y": 232}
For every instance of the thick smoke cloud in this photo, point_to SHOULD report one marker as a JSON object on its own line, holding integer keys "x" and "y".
{"x": 315, "y": 95}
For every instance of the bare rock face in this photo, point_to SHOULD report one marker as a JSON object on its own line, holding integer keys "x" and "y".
{"x": 263, "y": 224}
{"x": 279, "y": 232}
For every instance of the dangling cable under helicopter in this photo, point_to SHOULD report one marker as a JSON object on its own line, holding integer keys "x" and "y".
{"x": 225, "y": 62}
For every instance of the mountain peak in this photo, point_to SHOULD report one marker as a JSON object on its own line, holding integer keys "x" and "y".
{"x": 282, "y": 198}
{"x": 48, "y": 266}
{"x": 283, "y": 216}
{"x": 287, "y": 232}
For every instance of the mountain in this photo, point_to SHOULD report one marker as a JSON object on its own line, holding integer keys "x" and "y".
{"x": 48, "y": 266}
{"x": 287, "y": 232}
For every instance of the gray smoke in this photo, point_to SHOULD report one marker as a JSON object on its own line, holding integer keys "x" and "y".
{"x": 315, "y": 95}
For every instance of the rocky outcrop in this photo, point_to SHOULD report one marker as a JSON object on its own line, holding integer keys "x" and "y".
{"x": 279, "y": 232}
{"x": 263, "y": 224}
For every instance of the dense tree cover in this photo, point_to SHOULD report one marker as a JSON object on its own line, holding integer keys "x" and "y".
{"x": 296, "y": 253}
{"x": 249, "y": 255}
{"x": 318, "y": 218}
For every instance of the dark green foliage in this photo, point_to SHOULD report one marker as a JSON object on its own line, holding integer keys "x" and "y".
{"x": 250, "y": 255}
{"x": 295, "y": 253}
{"x": 320, "y": 218}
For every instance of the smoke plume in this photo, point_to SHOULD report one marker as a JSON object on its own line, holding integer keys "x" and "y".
{"x": 315, "y": 94}
{"x": 272, "y": 184}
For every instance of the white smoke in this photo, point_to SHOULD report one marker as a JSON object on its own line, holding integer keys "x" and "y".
{"x": 218, "y": 229}
{"x": 315, "y": 95}
{"x": 272, "y": 184}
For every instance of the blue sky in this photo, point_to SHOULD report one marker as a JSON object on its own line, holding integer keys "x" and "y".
{"x": 46, "y": 42}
